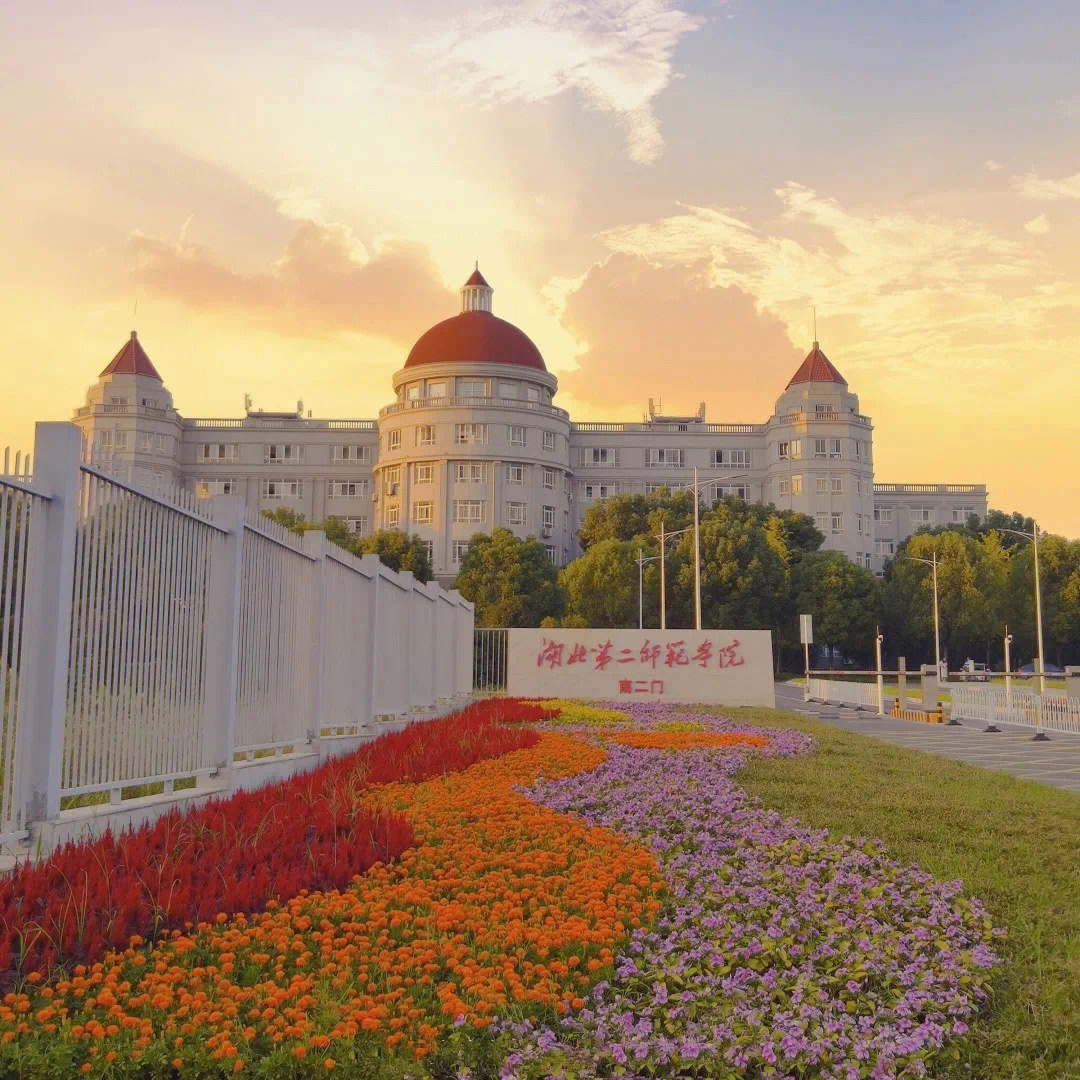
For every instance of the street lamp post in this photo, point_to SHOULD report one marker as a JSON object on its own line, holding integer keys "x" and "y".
{"x": 664, "y": 537}
{"x": 1033, "y": 536}
{"x": 642, "y": 559}
{"x": 932, "y": 563}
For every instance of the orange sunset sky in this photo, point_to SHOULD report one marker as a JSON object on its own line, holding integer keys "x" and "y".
{"x": 659, "y": 192}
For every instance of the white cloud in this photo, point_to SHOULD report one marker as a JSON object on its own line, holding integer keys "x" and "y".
{"x": 1033, "y": 186}
{"x": 616, "y": 53}
{"x": 891, "y": 287}
{"x": 993, "y": 166}
{"x": 1037, "y": 225}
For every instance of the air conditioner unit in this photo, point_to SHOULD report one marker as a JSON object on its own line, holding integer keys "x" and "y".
{"x": 374, "y": 496}
{"x": 392, "y": 489}
{"x": 545, "y": 531}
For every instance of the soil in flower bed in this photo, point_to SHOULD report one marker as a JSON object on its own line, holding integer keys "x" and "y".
{"x": 232, "y": 855}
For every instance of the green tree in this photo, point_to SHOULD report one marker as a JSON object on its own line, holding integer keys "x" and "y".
{"x": 293, "y": 520}
{"x": 601, "y": 587}
{"x": 512, "y": 582}
{"x": 843, "y": 599}
{"x": 624, "y": 517}
{"x": 398, "y": 550}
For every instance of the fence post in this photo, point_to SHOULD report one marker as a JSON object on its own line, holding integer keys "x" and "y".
{"x": 50, "y": 580}
{"x": 222, "y": 634}
{"x": 314, "y": 544}
{"x": 408, "y": 579}
{"x": 464, "y": 633}
{"x": 372, "y": 565}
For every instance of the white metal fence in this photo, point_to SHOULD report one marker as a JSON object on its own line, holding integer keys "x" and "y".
{"x": 148, "y": 637}
{"x": 993, "y": 705}
{"x": 17, "y": 520}
{"x": 861, "y": 695}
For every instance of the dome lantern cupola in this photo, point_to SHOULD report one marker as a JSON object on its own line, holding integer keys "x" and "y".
{"x": 476, "y": 292}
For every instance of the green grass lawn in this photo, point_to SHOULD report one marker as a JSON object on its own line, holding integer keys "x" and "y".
{"x": 1014, "y": 843}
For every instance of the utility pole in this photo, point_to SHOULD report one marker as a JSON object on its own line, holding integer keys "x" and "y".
{"x": 663, "y": 589}
{"x": 697, "y": 559}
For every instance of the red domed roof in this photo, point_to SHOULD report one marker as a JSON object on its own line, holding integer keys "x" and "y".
{"x": 475, "y": 337}
{"x": 817, "y": 368}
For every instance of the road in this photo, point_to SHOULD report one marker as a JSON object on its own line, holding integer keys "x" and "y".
{"x": 1011, "y": 750}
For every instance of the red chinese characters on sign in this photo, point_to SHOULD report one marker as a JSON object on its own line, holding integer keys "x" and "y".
{"x": 550, "y": 654}
{"x": 603, "y": 656}
{"x": 728, "y": 655}
{"x": 675, "y": 655}
{"x": 641, "y": 686}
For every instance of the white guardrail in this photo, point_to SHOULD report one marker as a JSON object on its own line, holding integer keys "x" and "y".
{"x": 861, "y": 695}
{"x": 1050, "y": 712}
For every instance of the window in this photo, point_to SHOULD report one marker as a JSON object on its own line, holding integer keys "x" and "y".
{"x": 104, "y": 439}
{"x": 429, "y": 550}
{"x": 885, "y": 547}
{"x": 425, "y": 434}
{"x": 859, "y": 444}
{"x": 508, "y": 390}
{"x": 822, "y": 522}
{"x": 547, "y": 517}
{"x": 120, "y": 440}
{"x": 796, "y": 484}
{"x": 421, "y": 513}
{"x": 515, "y": 474}
{"x": 423, "y": 472}
{"x": 413, "y": 392}
{"x": 962, "y": 513}
{"x": 599, "y": 455}
{"x": 549, "y": 440}
{"x": 664, "y": 457}
{"x": 283, "y": 454}
{"x": 551, "y": 553}
{"x": 834, "y": 448}
{"x": 922, "y": 515}
{"x": 782, "y": 450}
{"x": 356, "y": 524}
{"x": 785, "y": 487}
{"x": 468, "y": 510}
{"x": 393, "y": 517}
{"x": 361, "y": 455}
{"x": 219, "y": 452}
{"x": 393, "y": 440}
{"x": 436, "y": 389}
{"x": 821, "y": 485}
{"x": 283, "y": 489}
{"x": 470, "y": 472}
{"x": 517, "y": 434}
{"x": 515, "y": 513}
{"x": 837, "y": 523}
{"x": 731, "y": 459}
{"x": 820, "y": 409}
{"x": 738, "y": 492}
{"x": 820, "y": 448}
{"x": 347, "y": 489}
{"x": 547, "y": 474}
{"x": 121, "y": 401}
{"x": 206, "y": 489}
{"x": 601, "y": 491}
{"x": 532, "y": 393}
{"x": 458, "y": 550}
{"x": 836, "y": 485}
{"x": 796, "y": 449}
{"x": 471, "y": 388}
{"x": 470, "y": 433}
{"x": 392, "y": 479}
{"x": 883, "y": 514}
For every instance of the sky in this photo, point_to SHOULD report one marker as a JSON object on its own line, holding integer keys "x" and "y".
{"x": 661, "y": 193}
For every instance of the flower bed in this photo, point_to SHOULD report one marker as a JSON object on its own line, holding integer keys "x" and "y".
{"x": 601, "y": 901}
{"x": 780, "y": 954}
{"x": 231, "y": 855}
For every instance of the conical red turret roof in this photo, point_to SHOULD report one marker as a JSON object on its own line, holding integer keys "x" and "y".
{"x": 476, "y": 278}
{"x": 132, "y": 360}
{"x": 817, "y": 368}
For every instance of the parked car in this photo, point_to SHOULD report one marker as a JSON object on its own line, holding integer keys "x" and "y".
{"x": 973, "y": 672}
{"x": 1048, "y": 669}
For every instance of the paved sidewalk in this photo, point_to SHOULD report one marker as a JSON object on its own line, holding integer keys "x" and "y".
{"x": 1010, "y": 750}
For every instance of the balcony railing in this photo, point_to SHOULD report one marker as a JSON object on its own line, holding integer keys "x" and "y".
{"x": 681, "y": 428}
{"x": 516, "y": 404}
{"x": 280, "y": 424}
{"x": 929, "y": 489}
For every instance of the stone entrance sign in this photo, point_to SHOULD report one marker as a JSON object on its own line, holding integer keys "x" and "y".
{"x": 720, "y": 667}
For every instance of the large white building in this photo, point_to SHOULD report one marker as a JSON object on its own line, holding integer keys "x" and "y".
{"x": 473, "y": 441}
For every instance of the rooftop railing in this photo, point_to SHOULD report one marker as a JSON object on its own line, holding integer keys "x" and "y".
{"x": 516, "y": 404}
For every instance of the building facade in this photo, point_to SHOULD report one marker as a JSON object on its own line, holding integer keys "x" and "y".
{"x": 474, "y": 441}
